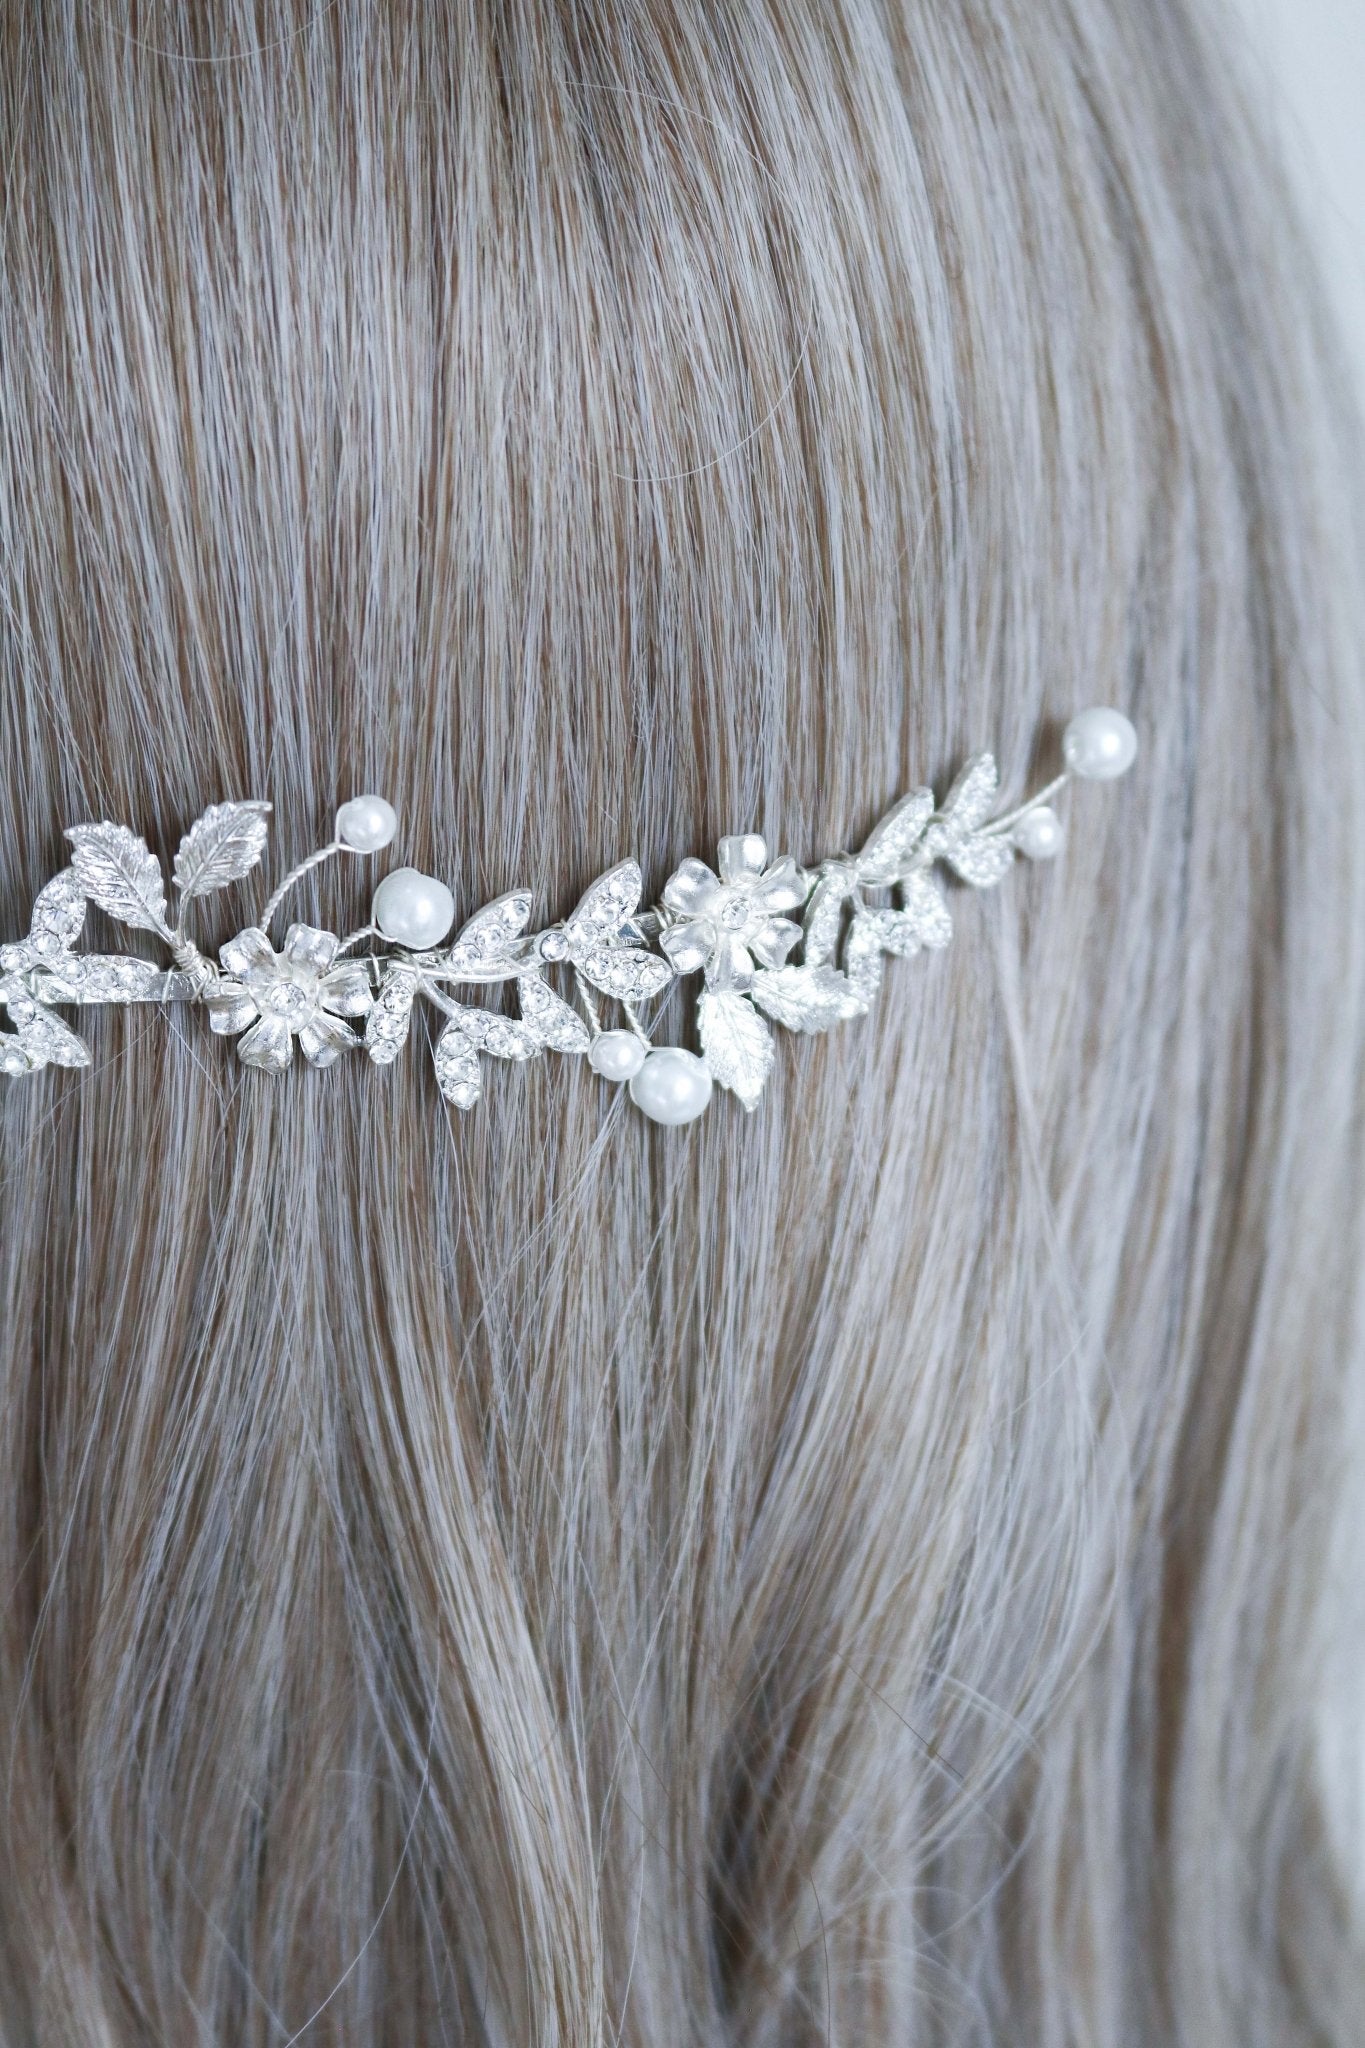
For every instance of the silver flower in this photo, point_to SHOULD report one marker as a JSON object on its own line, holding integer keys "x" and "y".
{"x": 734, "y": 921}
{"x": 296, "y": 993}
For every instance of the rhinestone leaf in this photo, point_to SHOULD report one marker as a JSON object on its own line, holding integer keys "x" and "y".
{"x": 886, "y": 856}
{"x": 386, "y": 1026}
{"x": 58, "y": 916}
{"x": 550, "y": 1017}
{"x": 825, "y": 913}
{"x": 983, "y": 860}
{"x": 863, "y": 957}
{"x": 100, "y": 978}
{"x": 606, "y": 906}
{"x": 622, "y": 972}
{"x": 736, "y": 1044}
{"x": 505, "y": 1037}
{"x": 967, "y": 804}
{"x": 54, "y": 1044}
{"x": 457, "y": 1068}
{"x": 118, "y": 871}
{"x": 220, "y": 847}
{"x": 805, "y": 998}
{"x": 490, "y": 935}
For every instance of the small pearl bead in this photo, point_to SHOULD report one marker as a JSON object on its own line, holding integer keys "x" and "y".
{"x": 1099, "y": 744}
{"x": 616, "y": 1055}
{"x": 366, "y": 824}
{"x": 413, "y": 909}
{"x": 1039, "y": 836}
{"x": 672, "y": 1086}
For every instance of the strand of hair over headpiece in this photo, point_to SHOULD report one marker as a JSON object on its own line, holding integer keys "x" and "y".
{"x": 773, "y": 941}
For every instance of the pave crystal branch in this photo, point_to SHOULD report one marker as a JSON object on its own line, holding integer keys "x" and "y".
{"x": 773, "y": 941}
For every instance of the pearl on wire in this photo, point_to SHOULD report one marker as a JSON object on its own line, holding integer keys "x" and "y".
{"x": 672, "y": 1086}
{"x": 617, "y": 1055}
{"x": 366, "y": 824}
{"x": 1040, "y": 835}
{"x": 413, "y": 909}
{"x": 1099, "y": 744}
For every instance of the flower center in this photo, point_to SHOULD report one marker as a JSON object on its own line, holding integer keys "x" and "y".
{"x": 290, "y": 1000}
{"x": 733, "y": 913}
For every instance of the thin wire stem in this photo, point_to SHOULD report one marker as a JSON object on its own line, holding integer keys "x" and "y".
{"x": 297, "y": 874}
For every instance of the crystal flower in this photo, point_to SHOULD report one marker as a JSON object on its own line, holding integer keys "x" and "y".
{"x": 733, "y": 922}
{"x": 296, "y": 993}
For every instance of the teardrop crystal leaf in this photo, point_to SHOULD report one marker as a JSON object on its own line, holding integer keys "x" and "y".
{"x": 825, "y": 914}
{"x": 622, "y": 972}
{"x": 58, "y": 916}
{"x": 550, "y": 1017}
{"x": 220, "y": 847}
{"x": 505, "y": 1037}
{"x": 457, "y": 1068}
{"x": 390, "y": 1016}
{"x": 606, "y": 907}
{"x": 886, "y": 856}
{"x": 489, "y": 938}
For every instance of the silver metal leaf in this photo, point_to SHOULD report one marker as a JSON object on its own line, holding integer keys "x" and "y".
{"x": 608, "y": 904}
{"x": 983, "y": 860}
{"x": 118, "y": 871}
{"x": 507, "y": 1038}
{"x": 892, "y": 843}
{"x": 550, "y": 1017}
{"x": 736, "y": 1044}
{"x": 623, "y": 972}
{"x": 489, "y": 939}
{"x": 390, "y": 1015}
{"x": 58, "y": 917}
{"x": 457, "y": 1068}
{"x": 825, "y": 913}
{"x": 220, "y": 847}
{"x": 805, "y": 998}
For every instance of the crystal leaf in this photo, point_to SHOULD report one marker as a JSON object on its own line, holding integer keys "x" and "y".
{"x": 925, "y": 912}
{"x": 53, "y": 1043}
{"x": 100, "y": 978}
{"x": 968, "y": 802}
{"x": 58, "y": 916}
{"x": 14, "y": 1058}
{"x": 607, "y": 905}
{"x": 736, "y": 1043}
{"x": 983, "y": 860}
{"x": 863, "y": 957}
{"x": 390, "y": 1016}
{"x": 552, "y": 1020}
{"x": 457, "y": 1068}
{"x": 220, "y": 847}
{"x": 825, "y": 912}
{"x": 490, "y": 935}
{"x": 886, "y": 856}
{"x": 505, "y": 1037}
{"x": 805, "y": 998}
{"x": 622, "y": 972}
{"x": 118, "y": 871}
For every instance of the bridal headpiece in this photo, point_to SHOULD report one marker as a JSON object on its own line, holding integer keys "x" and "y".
{"x": 774, "y": 942}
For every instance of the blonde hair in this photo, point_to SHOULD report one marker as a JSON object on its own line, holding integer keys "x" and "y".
{"x": 851, "y": 1574}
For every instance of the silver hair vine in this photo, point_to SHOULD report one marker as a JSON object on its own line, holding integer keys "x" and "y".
{"x": 739, "y": 925}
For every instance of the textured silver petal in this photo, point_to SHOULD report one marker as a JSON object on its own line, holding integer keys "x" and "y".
{"x": 306, "y": 946}
{"x": 606, "y": 906}
{"x": 324, "y": 1039}
{"x": 806, "y": 998}
{"x": 690, "y": 889}
{"x": 267, "y": 1045}
{"x": 231, "y": 1009}
{"x": 731, "y": 965}
{"x": 891, "y": 844}
{"x": 550, "y": 1017}
{"x": 785, "y": 886}
{"x": 390, "y": 1016}
{"x": 118, "y": 871}
{"x": 741, "y": 857}
{"x": 736, "y": 1044}
{"x": 771, "y": 940}
{"x": 689, "y": 945}
{"x": 490, "y": 935}
{"x": 220, "y": 847}
{"x": 623, "y": 972}
{"x": 457, "y": 1068}
{"x": 346, "y": 990}
{"x": 248, "y": 952}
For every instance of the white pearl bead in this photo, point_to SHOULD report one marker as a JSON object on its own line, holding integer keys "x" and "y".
{"x": 1099, "y": 744}
{"x": 413, "y": 909}
{"x": 616, "y": 1055}
{"x": 672, "y": 1086}
{"x": 366, "y": 824}
{"x": 1040, "y": 836}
